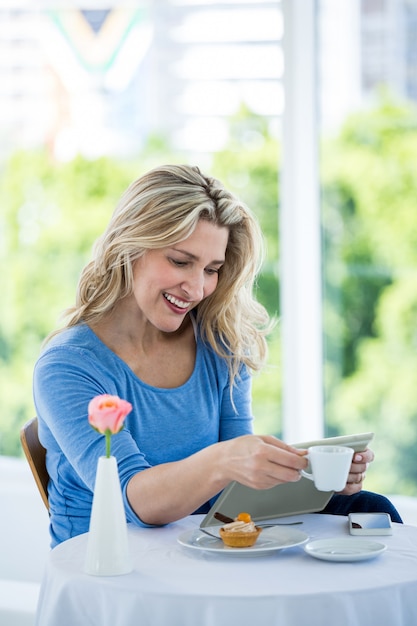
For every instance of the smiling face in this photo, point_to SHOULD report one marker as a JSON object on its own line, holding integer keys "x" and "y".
{"x": 169, "y": 282}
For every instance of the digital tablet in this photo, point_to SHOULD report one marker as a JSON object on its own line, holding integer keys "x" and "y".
{"x": 358, "y": 442}
{"x": 281, "y": 500}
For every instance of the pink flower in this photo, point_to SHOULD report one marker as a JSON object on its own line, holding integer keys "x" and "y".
{"x": 107, "y": 414}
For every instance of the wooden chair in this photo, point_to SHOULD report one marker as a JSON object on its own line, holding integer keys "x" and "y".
{"x": 36, "y": 456}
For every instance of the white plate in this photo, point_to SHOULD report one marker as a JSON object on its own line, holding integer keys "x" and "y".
{"x": 344, "y": 549}
{"x": 270, "y": 540}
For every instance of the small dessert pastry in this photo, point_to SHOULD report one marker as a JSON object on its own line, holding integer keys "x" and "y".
{"x": 242, "y": 533}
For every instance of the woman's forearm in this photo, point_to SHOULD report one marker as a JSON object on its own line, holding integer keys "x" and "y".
{"x": 170, "y": 491}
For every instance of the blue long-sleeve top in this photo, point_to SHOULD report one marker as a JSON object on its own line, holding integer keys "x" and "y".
{"x": 165, "y": 424}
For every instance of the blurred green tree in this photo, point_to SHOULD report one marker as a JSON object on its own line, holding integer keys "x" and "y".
{"x": 370, "y": 242}
{"x": 51, "y": 213}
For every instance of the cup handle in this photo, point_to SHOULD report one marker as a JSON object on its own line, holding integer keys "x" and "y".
{"x": 306, "y": 474}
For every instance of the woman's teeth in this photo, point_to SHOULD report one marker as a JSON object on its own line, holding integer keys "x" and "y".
{"x": 178, "y": 303}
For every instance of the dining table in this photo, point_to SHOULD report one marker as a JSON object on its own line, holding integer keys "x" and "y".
{"x": 183, "y": 577}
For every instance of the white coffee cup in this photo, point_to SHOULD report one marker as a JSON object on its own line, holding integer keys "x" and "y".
{"x": 329, "y": 466}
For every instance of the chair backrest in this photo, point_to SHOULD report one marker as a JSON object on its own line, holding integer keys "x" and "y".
{"x": 36, "y": 456}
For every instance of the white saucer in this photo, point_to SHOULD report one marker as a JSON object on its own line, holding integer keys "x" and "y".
{"x": 344, "y": 549}
{"x": 270, "y": 540}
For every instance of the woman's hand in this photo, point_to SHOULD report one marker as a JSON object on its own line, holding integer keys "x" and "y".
{"x": 170, "y": 491}
{"x": 261, "y": 462}
{"x": 357, "y": 472}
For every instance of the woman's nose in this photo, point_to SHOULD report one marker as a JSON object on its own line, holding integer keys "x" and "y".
{"x": 194, "y": 286}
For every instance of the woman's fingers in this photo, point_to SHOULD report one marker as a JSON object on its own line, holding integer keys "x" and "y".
{"x": 265, "y": 461}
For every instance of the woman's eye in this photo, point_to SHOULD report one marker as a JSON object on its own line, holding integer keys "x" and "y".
{"x": 178, "y": 263}
{"x": 212, "y": 270}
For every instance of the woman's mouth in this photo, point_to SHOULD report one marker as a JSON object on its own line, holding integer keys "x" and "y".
{"x": 180, "y": 304}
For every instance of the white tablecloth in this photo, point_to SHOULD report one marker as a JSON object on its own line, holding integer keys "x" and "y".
{"x": 176, "y": 586}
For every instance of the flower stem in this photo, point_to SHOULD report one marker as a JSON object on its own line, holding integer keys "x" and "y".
{"x": 108, "y": 443}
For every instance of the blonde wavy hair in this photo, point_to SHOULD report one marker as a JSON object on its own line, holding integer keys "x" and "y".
{"x": 160, "y": 209}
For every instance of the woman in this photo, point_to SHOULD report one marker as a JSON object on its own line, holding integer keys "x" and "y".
{"x": 164, "y": 318}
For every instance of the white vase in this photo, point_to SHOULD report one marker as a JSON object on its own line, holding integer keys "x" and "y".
{"x": 107, "y": 547}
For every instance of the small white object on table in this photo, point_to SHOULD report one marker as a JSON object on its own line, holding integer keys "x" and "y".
{"x": 175, "y": 585}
